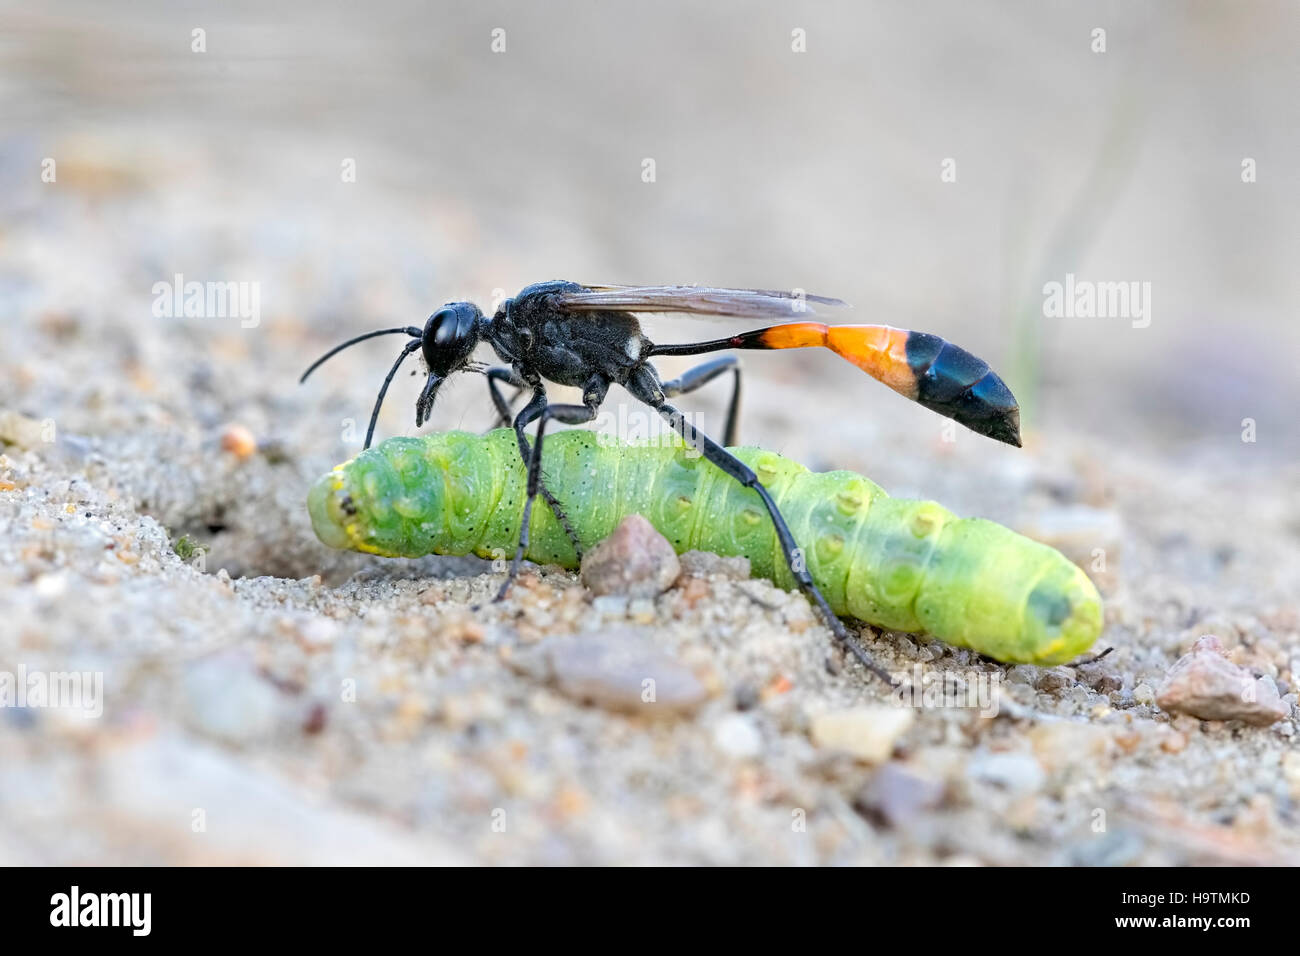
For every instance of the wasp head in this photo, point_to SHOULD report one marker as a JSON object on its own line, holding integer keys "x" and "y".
{"x": 447, "y": 342}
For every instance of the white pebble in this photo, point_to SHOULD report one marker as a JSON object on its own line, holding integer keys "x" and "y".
{"x": 868, "y": 733}
{"x": 736, "y": 736}
{"x": 1016, "y": 772}
{"x": 50, "y": 586}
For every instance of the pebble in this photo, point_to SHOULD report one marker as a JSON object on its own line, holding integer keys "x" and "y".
{"x": 641, "y": 610}
{"x": 1128, "y": 741}
{"x": 21, "y": 430}
{"x": 1023, "y": 674}
{"x": 48, "y": 587}
{"x": 1106, "y": 683}
{"x": 636, "y": 560}
{"x": 238, "y": 441}
{"x": 1175, "y": 743}
{"x": 705, "y": 563}
{"x": 1205, "y": 684}
{"x": 1056, "y": 678}
{"x": 1015, "y": 772}
{"x": 747, "y": 697}
{"x": 611, "y": 605}
{"x": 623, "y": 670}
{"x": 1062, "y": 744}
{"x": 868, "y": 733}
{"x": 737, "y": 736}
{"x": 897, "y": 794}
{"x": 318, "y": 632}
{"x": 226, "y": 698}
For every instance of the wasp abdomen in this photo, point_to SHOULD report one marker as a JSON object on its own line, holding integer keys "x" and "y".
{"x": 952, "y": 382}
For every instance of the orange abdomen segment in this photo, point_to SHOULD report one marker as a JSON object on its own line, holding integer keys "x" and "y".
{"x": 794, "y": 335}
{"x": 878, "y": 350}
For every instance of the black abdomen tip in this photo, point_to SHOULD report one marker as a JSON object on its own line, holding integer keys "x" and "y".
{"x": 954, "y": 383}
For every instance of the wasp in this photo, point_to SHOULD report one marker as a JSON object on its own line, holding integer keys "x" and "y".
{"x": 589, "y": 337}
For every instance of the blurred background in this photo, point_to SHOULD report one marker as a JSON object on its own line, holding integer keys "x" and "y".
{"x": 478, "y": 171}
{"x": 935, "y": 165}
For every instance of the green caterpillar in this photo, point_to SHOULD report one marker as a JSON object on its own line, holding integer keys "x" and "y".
{"x": 898, "y": 564}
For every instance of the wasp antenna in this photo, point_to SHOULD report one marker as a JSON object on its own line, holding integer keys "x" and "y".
{"x": 383, "y": 389}
{"x": 409, "y": 330}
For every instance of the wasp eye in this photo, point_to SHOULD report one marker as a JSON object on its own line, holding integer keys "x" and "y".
{"x": 442, "y": 327}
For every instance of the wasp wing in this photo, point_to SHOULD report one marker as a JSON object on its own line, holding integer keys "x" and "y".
{"x": 693, "y": 300}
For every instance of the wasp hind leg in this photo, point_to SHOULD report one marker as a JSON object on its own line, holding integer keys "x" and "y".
{"x": 701, "y": 375}
{"x": 646, "y": 388}
{"x": 538, "y": 410}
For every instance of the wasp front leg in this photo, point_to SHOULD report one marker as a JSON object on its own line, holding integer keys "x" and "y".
{"x": 538, "y": 410}
{"x": 504, "y": 408}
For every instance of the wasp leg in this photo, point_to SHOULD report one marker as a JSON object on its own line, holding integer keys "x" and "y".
{"x": 538, "y": 410}
{"x": 645, "y": 387}
{"x": 694, "y": 378}
{"x": 504, "y": 408}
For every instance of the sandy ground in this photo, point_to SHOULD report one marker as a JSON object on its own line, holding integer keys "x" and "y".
{"x": 268, "y": 700}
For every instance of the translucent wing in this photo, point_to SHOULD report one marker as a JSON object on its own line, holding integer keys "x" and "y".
{"x": 694, "y": 300}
